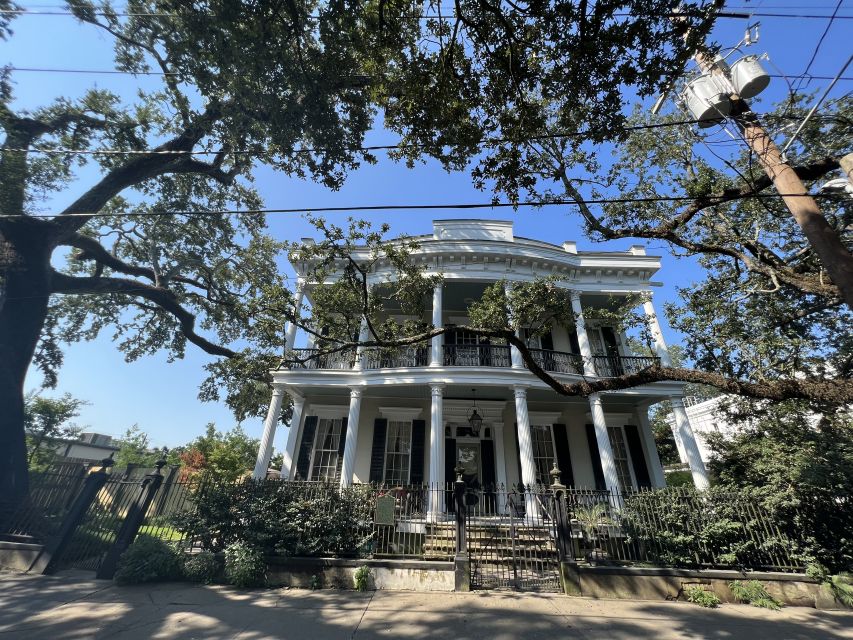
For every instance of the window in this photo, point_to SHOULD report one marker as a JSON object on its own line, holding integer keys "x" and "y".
{"x": 324, "y": 460}
{"x": 543, "y": 452}
{"x": 398, "y": 452}
{"x": 620, "y": 457}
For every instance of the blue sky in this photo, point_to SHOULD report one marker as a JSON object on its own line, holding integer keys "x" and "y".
{"x": 161, "y": 397}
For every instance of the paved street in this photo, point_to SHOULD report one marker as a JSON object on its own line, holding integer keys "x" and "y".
{"x": 55, "y": 608}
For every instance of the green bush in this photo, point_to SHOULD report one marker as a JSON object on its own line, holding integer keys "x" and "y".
{"x": 754, "y": 593}
{"x": 201, "y": 567}
{"x": 361, "y": 578}
{"x": 148, "y": 560}
{"x": 282, "y": 518}
{"x": 245, "y": 565}
{"x": 698, "y": 595}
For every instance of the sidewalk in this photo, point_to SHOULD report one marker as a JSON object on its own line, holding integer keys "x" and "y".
{"x": 55, "y": 608}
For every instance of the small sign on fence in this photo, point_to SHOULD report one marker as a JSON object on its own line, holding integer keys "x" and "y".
{"x": 385, "y": 509}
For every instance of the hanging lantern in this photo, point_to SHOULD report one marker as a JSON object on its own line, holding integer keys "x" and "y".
{"x": 749, "y": 77}
{"x": 475, "y": 420}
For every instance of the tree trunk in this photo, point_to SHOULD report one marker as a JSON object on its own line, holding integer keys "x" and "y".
{"x": 25, "y": 282}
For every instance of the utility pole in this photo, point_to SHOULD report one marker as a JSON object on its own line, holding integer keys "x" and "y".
{"x": 834, "y": 256}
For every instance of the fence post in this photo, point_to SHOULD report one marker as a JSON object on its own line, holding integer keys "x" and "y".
{"x": 462, "y": 562}
{"x": 569, "y": 575}
{"x": 135, "y": 517}
{"x": 55, "y": 546}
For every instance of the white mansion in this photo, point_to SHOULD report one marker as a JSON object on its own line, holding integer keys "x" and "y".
{"x": 406, "y": 419}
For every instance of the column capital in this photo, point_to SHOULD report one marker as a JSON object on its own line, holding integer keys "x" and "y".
{"x": 575, "y": 295}
{"x": 677, "y": 401}
{"x": 355, "y": 392}
{"x": 594, "y": 398}
{"x": 520, "y": 391}
{"x": 436, "y": 388}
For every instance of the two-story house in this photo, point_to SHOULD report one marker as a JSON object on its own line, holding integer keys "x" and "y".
{"x": 409, "y": 418}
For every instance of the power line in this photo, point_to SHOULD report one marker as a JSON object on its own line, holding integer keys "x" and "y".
{"x": 404, "y": 207}
{"x": 823, "y": 36}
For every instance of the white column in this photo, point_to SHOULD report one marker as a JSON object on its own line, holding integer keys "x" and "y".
{"x": 500, "y": 465}
{"x": 657, "y": 334}
{"x": 525, "y": 450}
{"x": 685, "y": 432}
{"x": 655, "y": 467}
{"x": 515, "y": 354}
{"x": 290, "y": 334}
{"x": 602, "y": 438}
{"x": 436, "y": 452}
{"x": 292, "y": 436}
{"x": 363, "y": 334}
{"x": 436, "y": 358}
{"x": 352, "y": 437}
{"x": 583, "y": 338}
{"x": 270, "y": 424}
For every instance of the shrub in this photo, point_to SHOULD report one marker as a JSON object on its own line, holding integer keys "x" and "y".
{"x": 361, "y": 578}
{"x": 245, "y": 565}
{"x": 698, "y": 595}
{"x": 201, "y": 567}
{"x": 282, "y": 518}
{"x": 841, "y": 585}
{"x": 148, "y": 560}
{"x": 316, "y": 581}
{"x": 754, "y": 593}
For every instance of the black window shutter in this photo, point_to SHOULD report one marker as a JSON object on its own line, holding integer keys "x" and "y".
{"x": 573, "y": 341}
{"x": 641, "y": 470}
{"x": 418, "y": 443}
{"x": 341, "y": 445}
{"x": 377, "y": 452}
{"x": 547, "y": 341}
{"x": 303, "y": 462}
{"x": 564, "y": 457}
{"x": 487, "y": 457}
{"x": 518, "y": 454}
{"x": 449, "y": 461}
{"x": 595, "y": 457}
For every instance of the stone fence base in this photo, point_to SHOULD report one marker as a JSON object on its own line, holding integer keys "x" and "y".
{"x": 398, "y": 575}
{"x": 18, "y": 556}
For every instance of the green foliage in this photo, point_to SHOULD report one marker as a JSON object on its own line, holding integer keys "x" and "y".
{"x": 221, "y": 456}
{"x": 840, "y": 585}
{"x": 316, "y": 581}
{"x": 679, "y": 479}
{"x": 361, "y": 578}
{"x": 698, "y": 595}
{"x": 202, "y": 567}
{"x": 46, "y": 419}
{"x": 245, "y": 565}
{"x": 148, "y": 560}
{"x": 753, "y": 592}
{"x": 799, "y": 466}
{"x": 717, "y": 527}
{"x": 281, "y": 518}
{"x": 134, "y": 448}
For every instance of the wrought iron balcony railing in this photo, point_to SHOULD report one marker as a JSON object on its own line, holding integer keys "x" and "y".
{"x": 482, "y": 355}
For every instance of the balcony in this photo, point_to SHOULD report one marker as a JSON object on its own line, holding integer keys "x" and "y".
{"x": 481, "y": 355}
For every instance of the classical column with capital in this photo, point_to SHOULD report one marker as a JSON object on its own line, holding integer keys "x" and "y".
{"x": 436, "y": 452}
{"x": 436, "y": 358}
{"x": 351, "y": 441}
{"x": 688, "y": 440}
{"x": 515, "y": 355}
{"x": 657, "y": 335}
{"x": 290, "y": 332}
{"x": 525, "y": 451}
{"x": 292, "y": 436}
{"x": 602, "y": 439}
{"x": 270, "y": 424}
{"x": 583, "y": 338}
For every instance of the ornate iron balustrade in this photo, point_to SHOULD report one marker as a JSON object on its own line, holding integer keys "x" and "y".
{"x": 558, "y": 361}
{"x": 395, "y": 358}
{"x": 612, "y": 366}
{"x": 477, "y": 355}
{"x": 336, "y": 360}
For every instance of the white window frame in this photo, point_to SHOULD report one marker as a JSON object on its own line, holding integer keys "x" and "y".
{"x": 315, "y": 448}
{"x": 549, "y": 463}
{"x": 629, "y": 461}
{"x": 408, "y": 453}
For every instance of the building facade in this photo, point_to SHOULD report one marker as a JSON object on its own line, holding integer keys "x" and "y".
{"x": 403, "y": 419}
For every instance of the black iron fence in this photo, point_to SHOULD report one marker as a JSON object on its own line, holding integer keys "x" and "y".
{"x": 50, "y": 497}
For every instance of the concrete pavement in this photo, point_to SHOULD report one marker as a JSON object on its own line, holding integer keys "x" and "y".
{"x": 55, "y": 608}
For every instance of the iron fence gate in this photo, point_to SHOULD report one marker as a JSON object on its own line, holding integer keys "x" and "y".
{"x": 511, "y": 539}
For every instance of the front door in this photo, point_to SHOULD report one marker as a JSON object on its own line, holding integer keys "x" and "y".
{"x": 468, "y": 457}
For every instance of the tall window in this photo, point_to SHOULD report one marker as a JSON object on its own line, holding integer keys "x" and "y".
{"x": 543, "y": 452}
{"x": 398, "y": 452}
{"x": 620, "y": 457}
{"x": 324, "y": 461}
